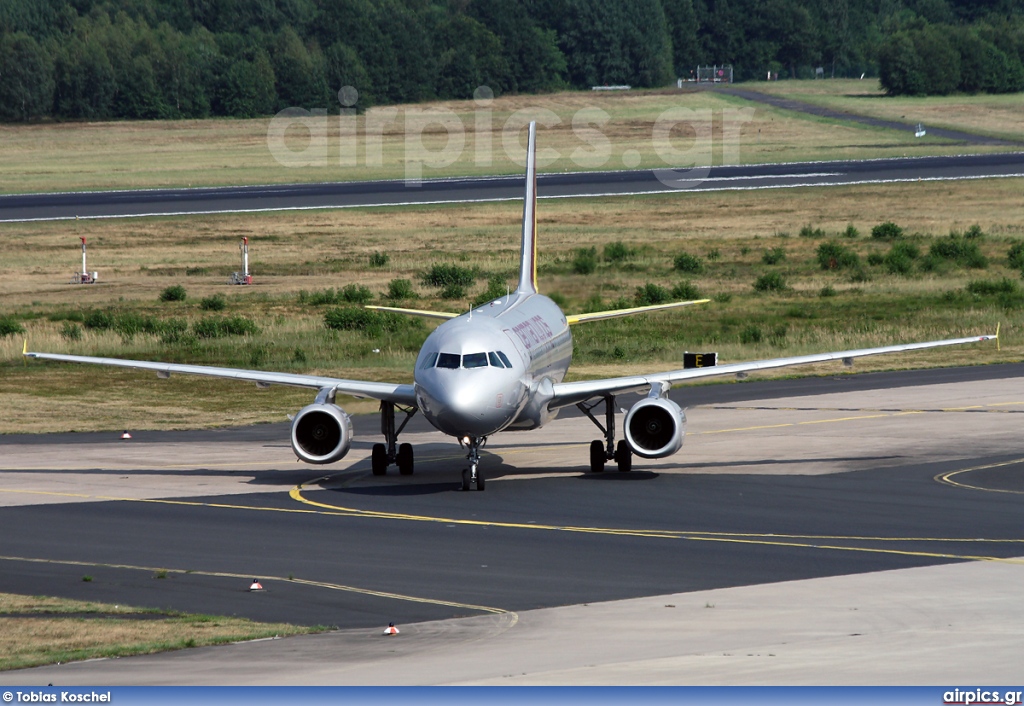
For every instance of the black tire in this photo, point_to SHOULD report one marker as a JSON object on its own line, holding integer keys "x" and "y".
{"x": 465, "y": 479}
{"x": 597, "y": 457}
{"x": 479, "y": 480}
{"x": 624, "y": 457}
{"x": 404, "y": 461}
{"x": 379, "y": 459}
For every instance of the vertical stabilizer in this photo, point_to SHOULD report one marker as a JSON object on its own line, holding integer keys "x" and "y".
{"x": 528, "y": 254}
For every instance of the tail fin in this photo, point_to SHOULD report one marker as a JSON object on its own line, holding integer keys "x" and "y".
{"x": 528, "y": 255}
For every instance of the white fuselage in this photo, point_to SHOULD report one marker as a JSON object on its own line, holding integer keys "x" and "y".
{"x": 493, "y": 369}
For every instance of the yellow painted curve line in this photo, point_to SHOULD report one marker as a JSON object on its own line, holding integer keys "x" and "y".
{"x": 947, "y": 478}
{"x": 304, "y": 582}
{"x": 755, "y": 539}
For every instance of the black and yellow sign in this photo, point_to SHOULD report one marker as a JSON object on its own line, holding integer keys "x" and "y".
{"x": 699, "y": 360}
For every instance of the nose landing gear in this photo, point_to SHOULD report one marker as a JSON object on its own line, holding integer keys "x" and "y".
{"x": 472, "y": 476}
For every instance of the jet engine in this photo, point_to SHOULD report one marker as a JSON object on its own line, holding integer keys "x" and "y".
{"x": 655, "y": 427}
{"x": 321, "y": 433}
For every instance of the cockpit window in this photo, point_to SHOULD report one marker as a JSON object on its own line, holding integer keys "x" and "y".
{"x": 474, "y": 360}
{"x": 494, "y": 360}
{"x": 429, "y": 361}
{"x": 448, "y": 360}
{"x": 504, "y": 359}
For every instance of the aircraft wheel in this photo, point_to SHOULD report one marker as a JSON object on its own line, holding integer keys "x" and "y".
{"x": 479, "y": 481}
{"x": 597, "y": 458}
{"x": 379, "y": 459}
{"x": 465, "y": 479}
{"x": 405, "y": 459}
{"x": 624, "y": 457}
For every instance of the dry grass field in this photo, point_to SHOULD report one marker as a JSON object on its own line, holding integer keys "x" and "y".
{"x": 995, "y": 115}
{"x": 37, "y": 630}
{"x": 485, "y": 140}
{"x": 315, "y": 251}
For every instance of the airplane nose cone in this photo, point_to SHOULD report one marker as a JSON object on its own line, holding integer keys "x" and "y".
{"x": 464, "y": 407}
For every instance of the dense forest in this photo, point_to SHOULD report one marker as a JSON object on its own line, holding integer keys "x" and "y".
{"x": 99, "y": 59}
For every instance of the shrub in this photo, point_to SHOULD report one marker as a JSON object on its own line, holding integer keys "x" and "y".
{"x": 585, "y": 261}
{"x": 399, "y": 289}
{"x": 770, "y": 282}
{"x": 988, "y": 288}
{"x": 651, "y": 294}
{"x": 900, "y": 258}
{"x": 497, "y": 287}
{"x": 751, "y": 334}
{"x": 713, "y": 254}
{"x": 379, "y": 259}
{"x": 216, "y": 302}
{"x": 963, "y": 251}
{"x": 851, "y": 231}
{"x": 618, "y": 252}
{"x": 827, "y": 291}
{"x": 444, "y": 275}
{"x": 215, "y": 327}
{"x": 685, "y": 291}
{"x": 887, "y": 231}
{"x": 833, "y": 256}
{"x": 453, "y": 291}
{"x": 175, "y": 331}
{"x": 356, "y": 294}
{"x": 774, "y": 256}
{"x": 686, "y": 262}
{"x": 808, "y": 231}
{"x": 127, "y": 324}
{"x": 71, "y": 332}
{"x": 367, "y": 321}
{"x": 174, "y": 293}
{"x": 1016, "y": 256}
{"x": 100, "y": 320}
{"x": 974, "y": 232}
{"x": 9, "y": 327}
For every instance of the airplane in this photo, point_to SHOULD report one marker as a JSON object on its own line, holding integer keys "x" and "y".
{"x": 499, "y": 367}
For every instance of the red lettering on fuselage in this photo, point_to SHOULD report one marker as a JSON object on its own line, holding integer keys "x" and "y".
{"x": 533, "y": 331}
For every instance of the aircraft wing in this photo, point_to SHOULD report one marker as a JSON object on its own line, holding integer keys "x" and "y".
{"x": 572, "y": 319}
{"x": 390, "y": 392}
{"x": 570, "y": 393}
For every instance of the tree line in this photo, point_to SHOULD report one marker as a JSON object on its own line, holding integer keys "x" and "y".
{"x": 102, "y": 59}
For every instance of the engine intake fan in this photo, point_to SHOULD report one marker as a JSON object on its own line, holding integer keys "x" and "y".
{"x": 321, "y": 433}
{"x": 655, "y": 427}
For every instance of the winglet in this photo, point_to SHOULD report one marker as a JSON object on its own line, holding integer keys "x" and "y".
{"x": 528, "y": 254}
{"x": 24, "y": 350}
{"x": 998, "y": 324}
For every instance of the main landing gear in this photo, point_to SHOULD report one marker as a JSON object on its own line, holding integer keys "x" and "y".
{"x": 472, "y": 476}
{"x": 607, "y": 450}
{"x": 382, "y": 456}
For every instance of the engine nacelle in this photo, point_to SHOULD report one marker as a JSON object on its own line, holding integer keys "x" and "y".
{"x": 655, "y": 427}
{"x": 321, "y": 433}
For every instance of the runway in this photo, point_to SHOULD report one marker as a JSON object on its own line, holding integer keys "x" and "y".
{"x": 241, "y": 199}
{"x": 764, "y": 536}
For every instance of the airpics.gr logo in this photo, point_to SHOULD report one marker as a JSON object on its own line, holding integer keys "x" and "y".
{"x": 981, "y": 696}
{"x": 678, "y": 149}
